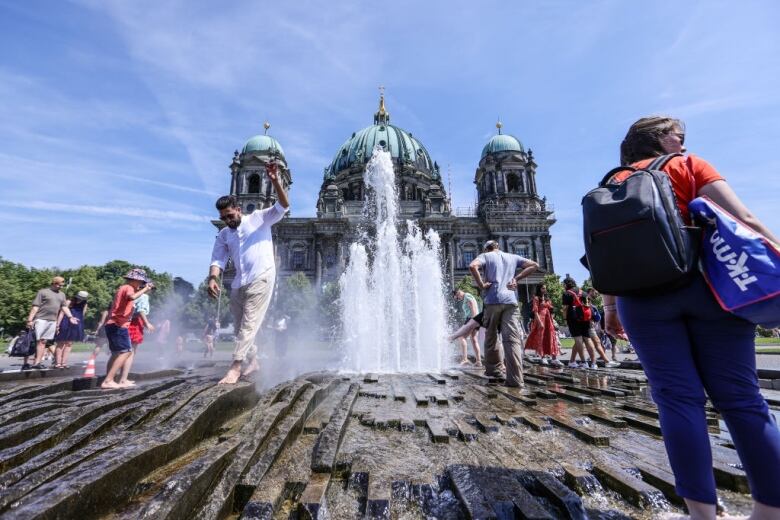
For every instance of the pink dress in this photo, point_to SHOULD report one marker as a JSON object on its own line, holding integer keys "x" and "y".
{"x": 542, "y": 338}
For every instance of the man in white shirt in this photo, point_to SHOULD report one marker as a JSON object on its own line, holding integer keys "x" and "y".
{"x": 247, "y": 241}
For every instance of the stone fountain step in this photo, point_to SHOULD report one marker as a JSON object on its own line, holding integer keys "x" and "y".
{"x": 181, "y": 493}
{"x": 81, "y": 491}
{"x": 313, "y": 501}
{"x": 324, "y": 454}
{"x": 638, "y": 492}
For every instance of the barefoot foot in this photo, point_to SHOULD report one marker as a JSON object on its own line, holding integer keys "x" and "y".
{"x": 108, "y": 384}
{"x": 253, "y": 367}
{"x": 232, "y": 375}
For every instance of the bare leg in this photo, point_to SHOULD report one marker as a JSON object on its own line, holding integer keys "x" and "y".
{"x": 464, "y": 330}
{"x": 115, "y": 364}
{"x": 577, "y": 349}
{"x": 123, "y": 381}
{"x": 66, "y": 352}
{"x": 40, "y": 348}
{"x": 591, "y": 351}
{"x": 475, "y": 344}
{"x": 464, "y": 358}
{"x": 233, "y": 373}
{"x": 58, "y": 351}
{"x": 599, "y": 348}
{"x": 764, "y": 512}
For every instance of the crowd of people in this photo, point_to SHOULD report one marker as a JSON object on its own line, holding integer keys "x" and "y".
{"x": 689, "y": 347}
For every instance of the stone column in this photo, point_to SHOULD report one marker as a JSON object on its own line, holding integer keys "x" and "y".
{"x": 539, "y": 251}
{"x": 548, "y": 254}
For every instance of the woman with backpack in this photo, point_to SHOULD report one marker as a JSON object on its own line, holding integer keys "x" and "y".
{"x": 688, "y": 345}
{"x": 577, "y": 311}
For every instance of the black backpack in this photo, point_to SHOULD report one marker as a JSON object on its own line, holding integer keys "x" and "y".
{"x": 636, "y": 242}
{"x": 24, "y": 344}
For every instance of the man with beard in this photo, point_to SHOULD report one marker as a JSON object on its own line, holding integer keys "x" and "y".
{"x": 247, "y": 241}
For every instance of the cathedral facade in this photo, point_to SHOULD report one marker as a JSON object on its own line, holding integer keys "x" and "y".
{"x": 509, "y": 208}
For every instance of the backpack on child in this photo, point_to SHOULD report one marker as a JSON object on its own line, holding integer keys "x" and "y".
{"x": 636, "y": 241}
{"x": 582, "y": 309}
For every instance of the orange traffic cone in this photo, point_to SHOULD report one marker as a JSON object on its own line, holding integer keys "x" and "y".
{"x": 90, "y": 370}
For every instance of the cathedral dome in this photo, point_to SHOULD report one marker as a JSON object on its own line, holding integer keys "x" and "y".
{"x": 400, "y": 143}
{"x": 264, "y": 144}
{"x": 502, "y": 143}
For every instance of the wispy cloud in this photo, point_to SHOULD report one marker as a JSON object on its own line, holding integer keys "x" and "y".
{"x": 161, "y": 216}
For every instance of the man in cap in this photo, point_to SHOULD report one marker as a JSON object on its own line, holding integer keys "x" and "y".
{"x": 500, "y": 298}
{"x": 43, "y": 318}
{"x": 247, "y": 241}
{"x": 137, "y": 284}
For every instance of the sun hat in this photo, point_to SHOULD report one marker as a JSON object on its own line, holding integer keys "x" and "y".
{"x": 136, "y": 273}
{"x": 82, "y": 295}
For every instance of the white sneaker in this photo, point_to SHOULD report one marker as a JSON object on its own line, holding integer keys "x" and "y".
{"x": 574, "y": 364}
{"x": 545, "y": 362}
{"x": 612, "y": 364}
{"x": 594, "y": 366}
{"x": 556, "y": 363}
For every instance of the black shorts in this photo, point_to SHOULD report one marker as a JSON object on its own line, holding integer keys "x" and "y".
{"x": 578, "y": 328}
{"x": 479, "y": 318}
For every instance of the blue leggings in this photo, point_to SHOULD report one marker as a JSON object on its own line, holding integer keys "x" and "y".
{"x": 688, "y": 344}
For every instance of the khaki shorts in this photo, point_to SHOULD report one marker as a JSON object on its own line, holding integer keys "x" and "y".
{"x": 44, "y": 329}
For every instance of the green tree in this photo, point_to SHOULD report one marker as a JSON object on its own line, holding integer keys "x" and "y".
{"x": 201, "y": 307}
{"x": 296, "y": 298}
{"x": 18, "y": 285}
{"x": 597, "y": 301}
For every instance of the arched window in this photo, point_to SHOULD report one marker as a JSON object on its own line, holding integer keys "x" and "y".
{"x": 513, "y": 183}
{"x": 254, "y": 183}
{"x": 298, "y": 259}
{"x": 523, "y": 250}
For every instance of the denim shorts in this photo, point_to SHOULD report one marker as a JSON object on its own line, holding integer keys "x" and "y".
{"x": 118, "y": 339}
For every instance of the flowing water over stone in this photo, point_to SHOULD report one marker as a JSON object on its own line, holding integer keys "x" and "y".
{"x": 394, "y": 310}
{"x": 572, "y": 444}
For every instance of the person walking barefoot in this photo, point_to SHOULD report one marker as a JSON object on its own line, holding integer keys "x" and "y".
{"x": 118, "y": 322}
{"x": 247, "y": 241}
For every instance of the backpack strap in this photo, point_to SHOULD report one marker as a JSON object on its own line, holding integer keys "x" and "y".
{"x": 614, "y": 171}
{"x": 659, "y": 162}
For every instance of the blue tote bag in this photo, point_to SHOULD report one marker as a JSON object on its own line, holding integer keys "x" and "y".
{"x": 741, "y": 266}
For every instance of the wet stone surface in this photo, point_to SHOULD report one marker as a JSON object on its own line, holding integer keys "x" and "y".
{"x": 572, "y": 444}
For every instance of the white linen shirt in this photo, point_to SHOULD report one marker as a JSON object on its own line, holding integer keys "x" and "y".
{"x": 250, "y": 245}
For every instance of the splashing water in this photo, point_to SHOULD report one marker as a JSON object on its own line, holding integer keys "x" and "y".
{"x": 394, "y": 312}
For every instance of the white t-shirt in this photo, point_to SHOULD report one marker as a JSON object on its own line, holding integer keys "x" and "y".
{"x": 250, "y": 245}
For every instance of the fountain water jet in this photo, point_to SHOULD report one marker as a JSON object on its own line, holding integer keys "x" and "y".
{"x": 393, "y": 307}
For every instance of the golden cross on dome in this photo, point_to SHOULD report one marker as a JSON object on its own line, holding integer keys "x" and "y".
{"x": 382, "y": 90}
{"x": 266, "y": 126}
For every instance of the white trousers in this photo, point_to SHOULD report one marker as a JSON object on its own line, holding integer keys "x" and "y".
{"x": 248, "y": 304}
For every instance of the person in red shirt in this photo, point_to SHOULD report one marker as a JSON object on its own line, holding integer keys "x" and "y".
{"x": 116, "y": 326}
{"x": 691, "y": 349}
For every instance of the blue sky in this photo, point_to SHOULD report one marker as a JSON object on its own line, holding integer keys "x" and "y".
{"x": 118, "y": 119}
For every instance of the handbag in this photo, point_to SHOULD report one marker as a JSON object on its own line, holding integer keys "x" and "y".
{"x": 740, "y": 265}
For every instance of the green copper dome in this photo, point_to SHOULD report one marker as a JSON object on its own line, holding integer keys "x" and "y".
{"x": 400, "y": 143}
{"x": 263, "y": 144}
{"x": 502, "y": 143}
